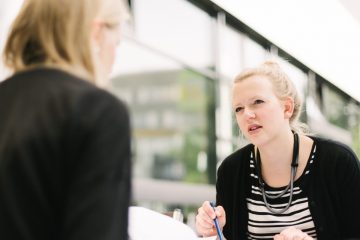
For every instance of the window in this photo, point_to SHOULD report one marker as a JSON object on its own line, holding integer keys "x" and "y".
{"x": 169, "y": 105}
{"x": 177, "y": 28}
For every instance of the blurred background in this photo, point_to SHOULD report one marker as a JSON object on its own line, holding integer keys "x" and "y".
{"x": 175, "y": 67}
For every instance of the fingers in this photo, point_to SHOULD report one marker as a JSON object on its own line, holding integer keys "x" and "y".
{"x": 292, "y": 233}
{"x": 308, "y": 238}
{"x": 279, "y": 237}
{"x": 220, "y": 213}
{"x": 207, "y": 213}
{"x": 208, "y": 210}
{"x": 205, "y": 219}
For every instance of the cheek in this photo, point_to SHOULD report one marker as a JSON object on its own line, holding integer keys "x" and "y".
{"x": 273, "y": 114}
{"x": 241, "y": 122}
{"x": 109, "y": 54}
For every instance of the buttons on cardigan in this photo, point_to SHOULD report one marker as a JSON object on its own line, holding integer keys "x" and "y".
{"x": 312, "y": 203}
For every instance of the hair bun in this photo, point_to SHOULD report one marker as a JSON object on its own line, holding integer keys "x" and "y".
{"x": 271, "y": 64}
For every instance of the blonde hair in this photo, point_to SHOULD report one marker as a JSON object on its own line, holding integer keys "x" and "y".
{"x": 283, "y": 88}
{"x": 55, "y": 33}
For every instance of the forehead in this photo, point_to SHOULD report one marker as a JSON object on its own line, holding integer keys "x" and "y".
{"x": 112, "y": 10}
{"x": 253, "y": 83}
{"x": 252, "y": 87}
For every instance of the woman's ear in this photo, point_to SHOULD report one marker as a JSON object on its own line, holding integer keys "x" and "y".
{"x": 288, "y": 107}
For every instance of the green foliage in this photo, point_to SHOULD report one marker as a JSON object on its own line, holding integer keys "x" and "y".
{"x": 194, "y": 143}
{"x": 356, "y": 139}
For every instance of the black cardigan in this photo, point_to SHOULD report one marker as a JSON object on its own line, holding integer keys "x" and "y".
{"x": 64, "y": 159}
{"x": 332, "y": 186}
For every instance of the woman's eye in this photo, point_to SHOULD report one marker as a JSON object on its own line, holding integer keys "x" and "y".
{"x": 238, "y": 109}
{"x": 258, "y": 101}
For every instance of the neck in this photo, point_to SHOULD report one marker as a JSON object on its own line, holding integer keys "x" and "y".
{"x": 278, "y": 153}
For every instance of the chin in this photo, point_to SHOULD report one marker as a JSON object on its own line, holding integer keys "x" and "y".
{"x": 257, "y": 141}
{"x": 102, "y": 78}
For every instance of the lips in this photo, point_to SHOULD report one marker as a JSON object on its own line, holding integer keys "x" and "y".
{"x": 254, "y": 127}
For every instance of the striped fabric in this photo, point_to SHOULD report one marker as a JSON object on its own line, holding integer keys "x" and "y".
{"x": 262, "y": 223}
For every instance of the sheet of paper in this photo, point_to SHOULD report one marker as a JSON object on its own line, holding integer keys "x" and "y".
{"x": 145, "y": 224}
{"x": 208, "y": 238}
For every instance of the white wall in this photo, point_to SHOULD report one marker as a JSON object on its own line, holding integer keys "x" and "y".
{"x": 8, "y": 11}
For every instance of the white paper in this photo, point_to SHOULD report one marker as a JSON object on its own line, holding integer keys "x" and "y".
{"x": 145, "y": 224}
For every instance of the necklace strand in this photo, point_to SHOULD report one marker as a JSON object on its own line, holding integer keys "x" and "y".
{"x": 294, "y": 165}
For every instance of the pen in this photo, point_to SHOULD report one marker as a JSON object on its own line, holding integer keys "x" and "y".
{"x": 216, "y": 222}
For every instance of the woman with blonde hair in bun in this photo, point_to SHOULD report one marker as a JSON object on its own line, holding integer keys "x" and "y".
{"x": 285, "y": 184}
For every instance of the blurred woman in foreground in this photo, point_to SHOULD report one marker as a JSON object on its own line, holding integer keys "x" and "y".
{"x": 64, "y": 142}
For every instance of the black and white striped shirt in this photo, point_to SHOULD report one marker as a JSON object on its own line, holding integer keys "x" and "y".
{"x": 262, "y": 223}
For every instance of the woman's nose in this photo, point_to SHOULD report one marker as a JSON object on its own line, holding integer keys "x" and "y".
{"x": 249, "y": 113}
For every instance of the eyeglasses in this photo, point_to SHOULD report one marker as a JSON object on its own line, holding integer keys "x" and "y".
{"x": 111, "y": 26}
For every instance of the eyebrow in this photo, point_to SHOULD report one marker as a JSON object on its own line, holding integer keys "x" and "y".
{"x": 249, "y": 100}
{"x": 256, "y": 98}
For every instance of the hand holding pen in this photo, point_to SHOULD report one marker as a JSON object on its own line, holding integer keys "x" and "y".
{"x": 206, "y": 218}
{"x": 218, "y": 230}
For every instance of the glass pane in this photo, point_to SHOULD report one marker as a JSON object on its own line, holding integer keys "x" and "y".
{"x": 169, "y": 106}
{"x": 224, "y": 125}
{"x": 300, "y": 80}
{"x": 298, "y": 77}
{"x": 230, "y": 52}
{"x": 335, "y": 107}
{"x": 253, "y": 53}
{"x": 355, "y": 127}
{"x": 176, "y": 27}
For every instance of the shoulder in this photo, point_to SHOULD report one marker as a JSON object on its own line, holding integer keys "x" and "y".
{"x": 237, "y": 159}
{"x": 65, "y": 94}
{"x": 89, "y": 105}
{"x": 47, "y": 79}
{"x": 45, "y": 84}
{"x": 329, "y": 147}
{"x": 63, "y": 86}
{"x": 99, "y": 110}
{"x": 331, "y": 153}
